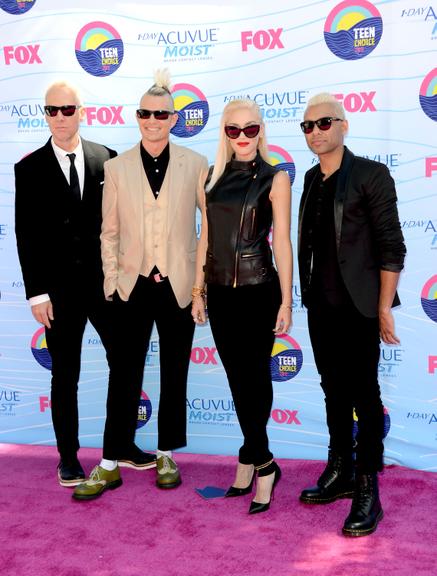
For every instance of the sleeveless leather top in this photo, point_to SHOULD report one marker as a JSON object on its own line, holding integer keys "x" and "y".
{"x": 239, "y": 215}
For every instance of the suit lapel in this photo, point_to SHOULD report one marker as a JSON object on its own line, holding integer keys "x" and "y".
{"x": 59, "y": 184}
{"x": 176, "y": 177}
{"x": 341, "y": 191}
{"x": 303, "y": 204}
{"x": 137, "y": 185}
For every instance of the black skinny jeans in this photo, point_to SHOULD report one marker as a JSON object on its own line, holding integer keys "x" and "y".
{"x": 242, "y": 321}
{"x": 346, "y": 350}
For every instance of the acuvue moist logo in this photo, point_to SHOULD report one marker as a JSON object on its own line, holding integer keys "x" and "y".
{"x": 39, "y": 349}
{"x": 353, "y": 29}
{"x": 183, "y": 44}
{"x": 16, "y": 6}
{"x": 428, "y": 95}
{"x": 286, "y": 360}
{"x": 428, "y": 298}
{"x": 280, "y": 159}
{"x": 192, "y": 108}
{"x": 99, "y": 49}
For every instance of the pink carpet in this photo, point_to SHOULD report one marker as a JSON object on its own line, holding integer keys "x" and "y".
{"x": 140, "y": 530}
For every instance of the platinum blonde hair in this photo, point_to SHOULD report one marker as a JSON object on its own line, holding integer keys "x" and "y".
{"x": 62, "y": 84}
{"x": 162, "y": 85}
{"x": 327, "y": 98}
{"x": 224, "y": 149}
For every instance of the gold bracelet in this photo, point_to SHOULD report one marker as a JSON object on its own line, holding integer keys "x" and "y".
{"x": 285, "y": 306}
{"x": 197, "y": 291}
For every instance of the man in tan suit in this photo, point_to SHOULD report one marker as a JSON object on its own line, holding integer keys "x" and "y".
{"x": 148, "y": 250}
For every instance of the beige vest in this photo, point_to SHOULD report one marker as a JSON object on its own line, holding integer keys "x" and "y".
{"x": 155, "y": 227}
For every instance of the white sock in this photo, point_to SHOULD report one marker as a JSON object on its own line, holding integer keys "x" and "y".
{"x": 160, "y": 453}
{"x": 108, "y": 465}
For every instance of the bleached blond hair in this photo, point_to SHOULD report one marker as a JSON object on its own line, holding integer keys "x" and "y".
{"x": 224, "y": 149}
{"x": 162, "y": 85}
{"x": 327, "y": 98}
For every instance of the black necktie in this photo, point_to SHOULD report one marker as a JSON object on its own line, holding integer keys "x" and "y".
{"x": 74, "y": 178}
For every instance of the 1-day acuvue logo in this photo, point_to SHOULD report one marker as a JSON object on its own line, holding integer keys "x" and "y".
{"x": 428, "y": 298}
{"x": 99, "y": 49}
{"x": 16, "y": 6}
{"x": 39, "y": 349}
{"x": 280, "y": 159}
{"x": 428, "y": 95}
{"x": 353, "y": 29}
{"x": 192, "y": 108}
{"x": 286, "y": 360}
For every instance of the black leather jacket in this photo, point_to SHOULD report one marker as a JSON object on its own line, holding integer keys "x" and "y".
{"x": 239, "y": 215}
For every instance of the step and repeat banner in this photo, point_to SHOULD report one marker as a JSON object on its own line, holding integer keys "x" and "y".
{"x": 380, "y": 60}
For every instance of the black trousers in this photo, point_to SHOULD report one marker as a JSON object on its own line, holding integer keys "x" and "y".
{"x": 71, "y": 309}
{"x": 242, "y": 321}
{"x": 346, "y": 351}
{"x": 148, "y": 303}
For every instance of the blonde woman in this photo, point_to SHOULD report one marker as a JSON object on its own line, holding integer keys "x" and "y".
{"x": 249, "y": 300}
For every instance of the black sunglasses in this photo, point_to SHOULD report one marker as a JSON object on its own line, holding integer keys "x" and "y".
{"x": 322, "y": 123}
{"x": 67, "y": 110}
{"x": 157, "y": 114}
{"x": 250, "y": 131}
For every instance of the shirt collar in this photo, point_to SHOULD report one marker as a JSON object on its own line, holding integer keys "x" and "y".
{"x": 149, "y": 159}
{"x": 61, "y": 154}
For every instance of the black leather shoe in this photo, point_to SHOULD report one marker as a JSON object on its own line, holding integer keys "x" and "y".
{"x": 366, "y": 509}
{"x": 70, "y": 472}
{"x": 233, "y": 491}
{"x": 257, "y": 507}
{"x": 137, "y": 459}
{"x": 336, "y": 481}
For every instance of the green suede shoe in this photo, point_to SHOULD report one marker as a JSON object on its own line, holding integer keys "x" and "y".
{"x": 167, "y": 473}
{"x": 99, "y": 481}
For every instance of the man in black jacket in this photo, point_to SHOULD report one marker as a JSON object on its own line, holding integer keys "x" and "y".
{"x": 59, "y": 198}
{"x": 351, "y": 252}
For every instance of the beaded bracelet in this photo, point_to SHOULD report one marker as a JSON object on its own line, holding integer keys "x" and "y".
{"x": 285, "y": 306}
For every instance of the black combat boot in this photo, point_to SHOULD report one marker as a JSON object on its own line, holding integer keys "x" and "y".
{"x": 366, "y": 509}
{"x": 336, "y": 481}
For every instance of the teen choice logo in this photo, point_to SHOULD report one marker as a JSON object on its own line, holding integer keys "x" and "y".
{"x": 16, "y": 6}
{"x": 39, "y": 349}
{"x": 286, "y": 360}
{"x": 429, "y": 298}
{"x": 192, "y": 108}
{"x": 144, "y": 410}
{"x": 280, "y": 159}
{"x": 353, "y": 29}
{"x": 428, "y": 95}
{"x": 387, "y": 424}
{"x": 99, "y": 49}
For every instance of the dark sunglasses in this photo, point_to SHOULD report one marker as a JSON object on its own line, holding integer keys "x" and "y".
{"x": 250, "y": 131}
{"x": 157, "y": 114}
{"x": 67, "y": 110}
{"x": 322, "y": 124}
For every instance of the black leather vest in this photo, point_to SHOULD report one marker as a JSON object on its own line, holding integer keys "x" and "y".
{"x": 239, "y": 221}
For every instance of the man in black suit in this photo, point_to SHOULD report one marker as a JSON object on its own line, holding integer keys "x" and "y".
{"x": 351, "y": 251}
{"x": 58, "y": 198}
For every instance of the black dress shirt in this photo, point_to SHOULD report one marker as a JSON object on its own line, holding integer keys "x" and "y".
{"x": 155, "y": 168}
{"x": 326, "y": 281}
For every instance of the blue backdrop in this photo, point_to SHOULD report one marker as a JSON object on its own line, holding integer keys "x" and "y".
{"x": 379, "y": 58}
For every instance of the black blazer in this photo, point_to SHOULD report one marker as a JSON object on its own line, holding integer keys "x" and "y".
{"x": 368, "y": 233}
{"x": 58, "y": 238}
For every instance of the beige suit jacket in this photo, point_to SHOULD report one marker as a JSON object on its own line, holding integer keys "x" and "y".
{"x": 122, "y": 237}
